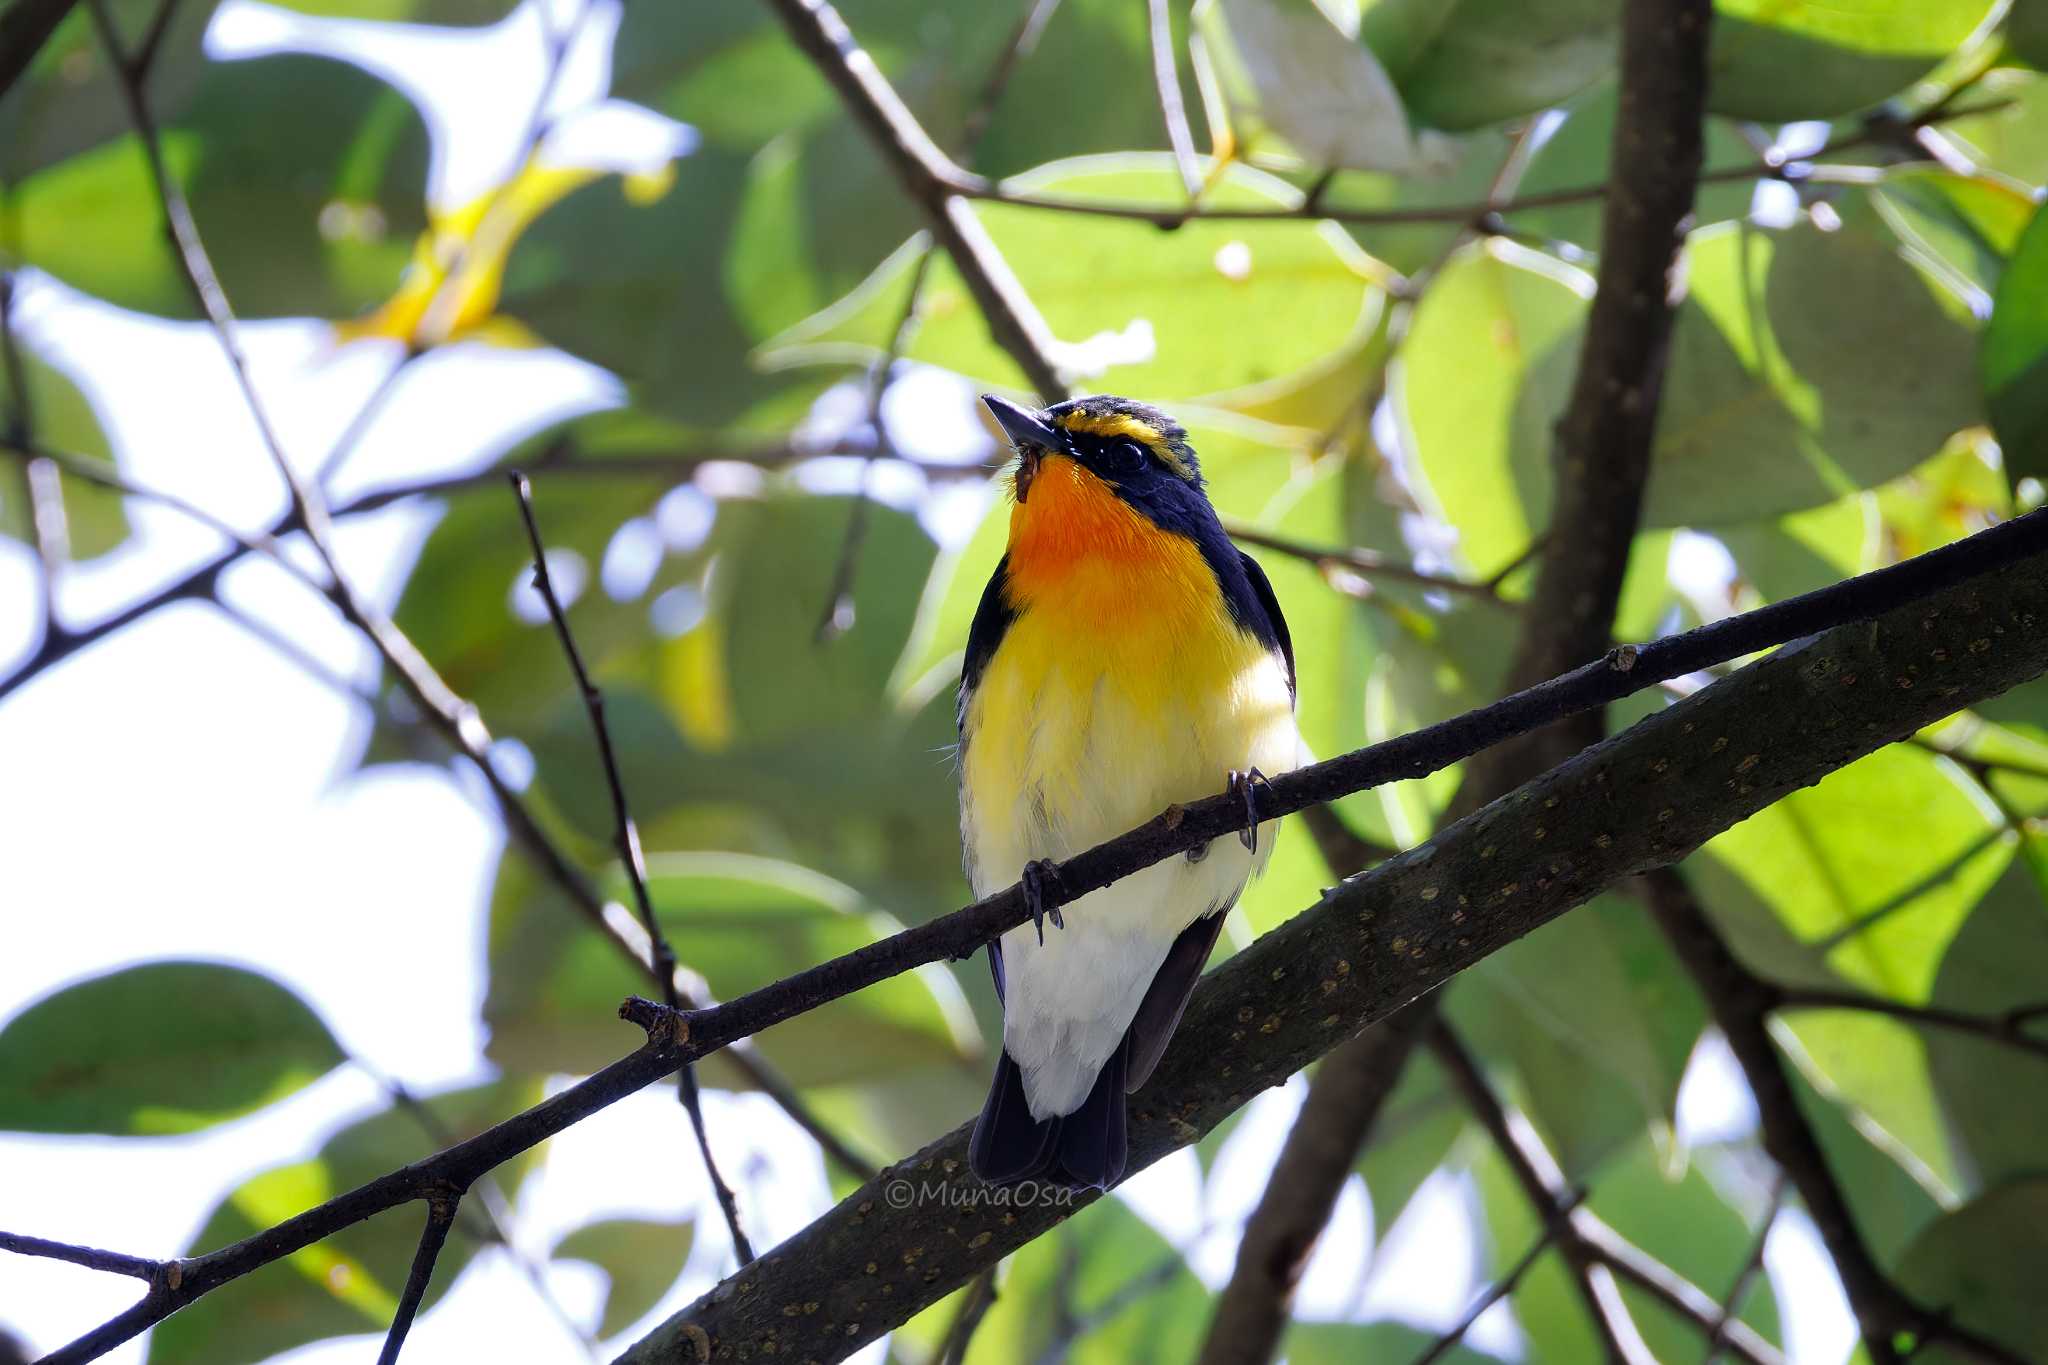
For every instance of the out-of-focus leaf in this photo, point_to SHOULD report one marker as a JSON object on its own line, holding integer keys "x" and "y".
{"x": 1547, "y": 1307}
{"x": 60, "y": 417}
{"x": 1576, "y": 155}
{"x": 1994, "y": 1097}
{"x": 1319, "y": 88}
{"x": 1684, "y": 1222}
{"x": 1595, "y": 992}
{"x": 1458, "y": 384}
{"x": 2015, "y": 357}
{"x": 1769, "y": 406}
{"x": 1473, "y": 62}
{"x": 1130, "y": 1295}
{"x": 1346, "y": 1343}
{"x": 169, "y": 1047}
{"x": 2026, "y": 31}
{"x": 640, "y": 1257}
{"x": 1466, "y": 166}
{"x": 740, "y": 923}
{"x": 2010, "y": 134}
{"x": 348, "y": 1283}
{"x": 1875, "y": 868}
{"x": 1211, "y": 307}
{"x": 1983, "y": 1264}
{"x": 310, "y": 208}
{"x": 1781, "y": 60}
{"x": 1888, "y": 1187}
{"x": 1418, "y": 1123}
{"x": 1964, "y": 224}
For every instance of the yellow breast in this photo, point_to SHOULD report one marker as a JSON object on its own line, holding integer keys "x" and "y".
{"x": 1123, "y": 683}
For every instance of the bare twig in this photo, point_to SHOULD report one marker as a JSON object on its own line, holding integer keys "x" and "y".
{"x": 440, "y": 1217}
{"x": 1496, "y": 1291}
{"x": 92, "y": 1258}
{"x": 1741, "y": 1005}
{"x": 626, "y": 839}
{"x": 48, "y": 525}
{"x": 1998, "y": 1028}
{"x": 926, "y": 173}
{"x": 1023, "y": 42}
{"x": 1368, "y": 563}
{"x": 1172, "y": 110}
{"x": 1752, "y": 1270}
{"x": 974, "y": 1306}
{"x": 1592, "y": 843}
{"x": 1544, "y": 1188}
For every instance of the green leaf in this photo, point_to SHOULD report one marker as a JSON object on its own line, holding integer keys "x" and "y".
{"x": 59, "y": 416}
{"x": 2010, "y": 136}
{"x": 640, "y": 1257}
{"x": 1770, "y": 405}
{"x": 1457, "y": 387}
{"x": 1781, "y": 60}
{"x": 1593, "y": 998}
{"x": 305, "y": 176}
{"x": 1994, "y": 1096}
{"x": 1961, "y": 226}
{"x": 2015, "y": 356}
{"x": 1888, "y": 1187}
{"x": 1346, "y": 1343}
{"x": 1576, "y": 156}
{"x": 348, "y": 1283}
{"x": 1211, "y": 307}
{"x": 1474, "y": 62}
{"x": 1129, "y": 1295}
{"x": 169, "y": 1047}
{"x": 1684, "y": 1221}
{"x": 1326, "y": 94}
{"x": 1873, "y": 870}
{"x": 1983, "y": 1263}
{"x": 2026, "y": 31}
{"x": 1418, "y": 1124}
{"x": 740, "y": 923}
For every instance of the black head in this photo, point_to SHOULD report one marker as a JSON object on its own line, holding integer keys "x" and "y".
{"x": 1132, "y": 446}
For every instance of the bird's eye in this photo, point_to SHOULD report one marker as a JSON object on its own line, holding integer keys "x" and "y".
{"x": 1123, "y": 456}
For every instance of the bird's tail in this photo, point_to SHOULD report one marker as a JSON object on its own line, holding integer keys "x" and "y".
{"x": 1085, "y": 1148}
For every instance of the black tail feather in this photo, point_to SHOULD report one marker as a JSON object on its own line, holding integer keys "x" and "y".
{"x": 1087, "y": 1148}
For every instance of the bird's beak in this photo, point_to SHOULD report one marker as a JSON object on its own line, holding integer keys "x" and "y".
{"x": 1031, "y": 435}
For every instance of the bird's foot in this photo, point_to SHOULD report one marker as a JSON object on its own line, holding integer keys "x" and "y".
{"x": 1245, "y": 785}
{"x": 1038, "y": 873}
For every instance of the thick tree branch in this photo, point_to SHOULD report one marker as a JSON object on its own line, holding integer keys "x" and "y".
{"x": 661, "y": 958}
{"x": 1741, "y": 1006}
{"x": 929, "y": 177}
{"x": 1639, "y": 800}
{"x": 1601, "y": 462}
{"x": 1382, "y": 939}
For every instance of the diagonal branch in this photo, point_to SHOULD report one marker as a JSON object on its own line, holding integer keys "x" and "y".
{"x": 441, "y": 1210}
{"x": 2004, "y": 1028}
{"x": 626, "y": 839}
{"x": 1543, "y": 1186}
{"x": 1166, "y": 76}
{"x": 1642, "y": 799}
{"x": 1741, "y": 1006}
{"x": 932, "y": 181}
{"x": 1602, "y": 458}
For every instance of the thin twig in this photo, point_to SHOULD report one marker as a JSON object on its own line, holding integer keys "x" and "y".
{"x": 1496, "y": 1291}
{"x": 440, "y": 1217}
{"x": 1023, "y": 42}
{"x": 1752, "y": 1270}
{"x": 1544, "y": 1188}
{"x": 1997, "y": 1028}
{"x": 144, "y": 60}
{"x": 974, "y": 1305}
{"x": 1638, "y": 835}
{"x": 1166, "y": 77}
{"x": 626, "y": 840}
{"x": 49, "y": 526}
{"x": 1369, "y": 563}
{"x": 92, "y": 1258}
{"x": 1740, "y": 1003}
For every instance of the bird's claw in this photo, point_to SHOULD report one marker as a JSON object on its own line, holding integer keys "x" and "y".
{"x": 1037, "y": 873}
{"x": 1245, "y": 785}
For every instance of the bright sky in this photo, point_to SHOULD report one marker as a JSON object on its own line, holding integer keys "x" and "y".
{"x": 182, "y": 790}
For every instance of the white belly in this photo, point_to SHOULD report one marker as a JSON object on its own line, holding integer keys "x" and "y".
{"x": 1081, "y": 761}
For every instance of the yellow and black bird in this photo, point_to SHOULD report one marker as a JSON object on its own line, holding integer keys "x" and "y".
{"x": 1125, "y": 656}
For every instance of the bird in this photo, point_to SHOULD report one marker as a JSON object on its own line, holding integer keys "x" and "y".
{"x": 1125, "y": 657}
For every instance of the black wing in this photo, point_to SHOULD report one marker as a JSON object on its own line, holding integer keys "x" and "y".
{"x": 1262, "y": 591}
{"x": 991, "y": 622}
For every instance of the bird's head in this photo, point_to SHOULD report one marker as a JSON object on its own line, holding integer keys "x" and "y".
{"x": 1132, "y": 448}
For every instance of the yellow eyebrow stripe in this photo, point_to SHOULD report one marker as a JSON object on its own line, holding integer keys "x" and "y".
{"x": 1112, "y": 423}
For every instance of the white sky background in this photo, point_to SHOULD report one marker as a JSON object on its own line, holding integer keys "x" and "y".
{"x": 179, "y": 790}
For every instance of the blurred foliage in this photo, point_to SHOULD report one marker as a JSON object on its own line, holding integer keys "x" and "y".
{"x": 1859, "y": 373}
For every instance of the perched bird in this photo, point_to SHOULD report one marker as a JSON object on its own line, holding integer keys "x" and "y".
{"x": 1125, "y": 656}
